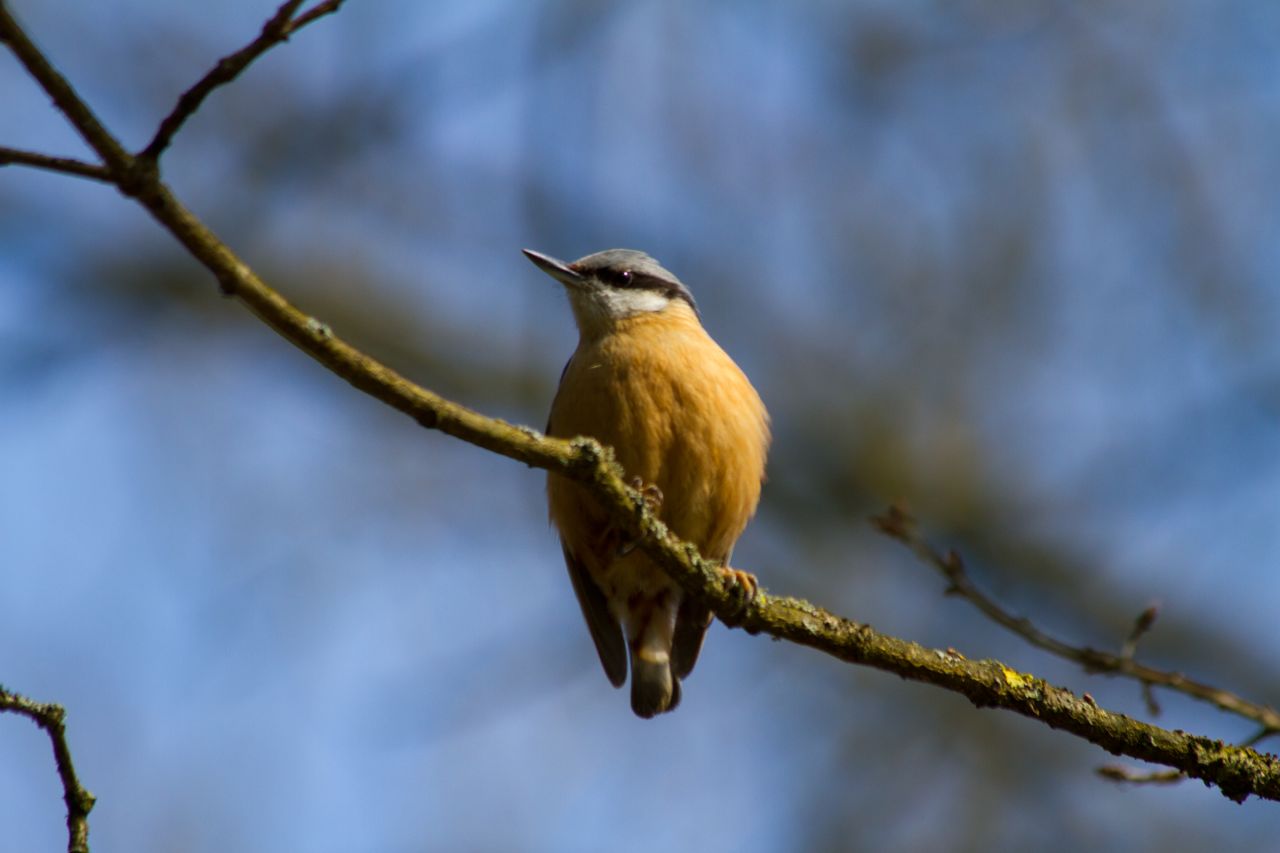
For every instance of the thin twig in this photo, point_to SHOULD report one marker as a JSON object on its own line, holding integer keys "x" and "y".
{"x": 328, "y": 7}
{"x": 897, "y": 524}
{"x": 1141, "y": 626}
{"x": 118, "y": 161}
{"x": 1237, "y": 771}
{"x": 277, "y": 29}
{"x": 66, "y": 165}
{"x": 52, "y": 718}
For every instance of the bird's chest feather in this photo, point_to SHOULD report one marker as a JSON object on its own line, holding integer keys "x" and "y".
{"x": 680, "y": 416}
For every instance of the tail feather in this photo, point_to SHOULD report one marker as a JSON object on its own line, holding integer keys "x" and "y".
{"x": 655, "y": 682}
{"x": 692, "y": 622}
{"x": 654, "y": 690}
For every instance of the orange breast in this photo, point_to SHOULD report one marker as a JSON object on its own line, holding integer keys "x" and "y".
{"x": 680, "y": 415}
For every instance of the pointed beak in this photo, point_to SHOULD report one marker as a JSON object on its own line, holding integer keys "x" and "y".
{"x": 556, "y": 268}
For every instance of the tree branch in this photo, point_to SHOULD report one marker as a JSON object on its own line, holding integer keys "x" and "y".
{"x": 1237, "y": 771}
{"x": 277, "y": 29}
{"x": 52, "y": 718}
{"x": 899, "y": 525}
{"x": 66, "y": 165}
{"x": 315, "y": 13}
{"x": 113, "y": 154}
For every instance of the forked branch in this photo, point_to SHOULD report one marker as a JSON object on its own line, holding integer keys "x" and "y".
{"x": 284, "y": 23}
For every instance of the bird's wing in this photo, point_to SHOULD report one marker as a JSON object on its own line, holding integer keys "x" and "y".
{"x": 605, "y": 630}
{"x": 547, "y": 429}
{"x": 692, "y": 622}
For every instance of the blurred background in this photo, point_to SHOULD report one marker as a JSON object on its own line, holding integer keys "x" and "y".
{"x": 1013, "y": 263}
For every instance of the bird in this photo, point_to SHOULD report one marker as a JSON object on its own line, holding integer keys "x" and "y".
{"x": 688, "y": 429}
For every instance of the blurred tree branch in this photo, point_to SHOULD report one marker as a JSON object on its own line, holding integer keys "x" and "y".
{"x": 66, "y": 165}
{"x": 284, "y": 23}
{"x": 1237, "y": 770}
{"x": 897, "y": 524}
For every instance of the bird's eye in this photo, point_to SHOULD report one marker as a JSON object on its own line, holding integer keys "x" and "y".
{"x": 624, "y": 278}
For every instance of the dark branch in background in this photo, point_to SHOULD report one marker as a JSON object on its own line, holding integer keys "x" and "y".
{"x": 1116, "y": 773}
{"x": 1141, "y": 626}
{"x": 277, "y": 29}
{"x": 1237, "y": 771}
{"x": 52, "y": 718}
{"x": 901, "y": 526}
{"x": 67, "y": 165}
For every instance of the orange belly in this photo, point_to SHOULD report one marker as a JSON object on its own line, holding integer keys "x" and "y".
{"x": 681, "y": 416}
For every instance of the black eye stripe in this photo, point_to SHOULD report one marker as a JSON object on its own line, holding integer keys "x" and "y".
{"x": 623, "y": 278}
{"x": 639, "y": 280}
{"x": 631, "y": 270}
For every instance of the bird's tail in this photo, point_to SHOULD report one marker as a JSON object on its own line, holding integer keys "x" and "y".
{"x": 654, "y": 690}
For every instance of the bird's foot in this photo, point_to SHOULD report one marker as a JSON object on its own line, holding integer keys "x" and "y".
{"x": 649, "y": 493}
{"x": 745, "y": 588}
{"x": 652, "y": 497}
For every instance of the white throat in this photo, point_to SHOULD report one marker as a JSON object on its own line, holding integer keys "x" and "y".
{"x": 597, "y": 310}
{"x": 627, "y": 303}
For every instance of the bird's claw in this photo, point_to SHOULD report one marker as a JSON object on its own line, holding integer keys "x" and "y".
{"x": 649, "y": 493}
{"x": 745, "y": 587}
{"x": 652, "y": 497}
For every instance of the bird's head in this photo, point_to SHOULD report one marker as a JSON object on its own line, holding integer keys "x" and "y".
{"x": 613, "y": 285}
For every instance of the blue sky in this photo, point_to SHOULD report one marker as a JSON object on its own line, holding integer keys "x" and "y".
{"x": 1012, "y": 263}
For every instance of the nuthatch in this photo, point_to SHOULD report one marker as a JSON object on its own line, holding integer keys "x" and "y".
{"x": 685, "y": 423}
